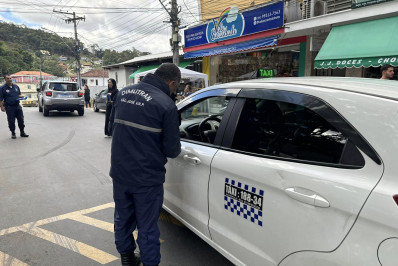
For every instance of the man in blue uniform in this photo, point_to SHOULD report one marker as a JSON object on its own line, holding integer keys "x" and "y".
{"x": 9, "y": 103}
{"x": 145, "y": 128}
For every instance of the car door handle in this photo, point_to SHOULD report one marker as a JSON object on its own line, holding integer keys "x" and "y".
{"x": 194, "y": 160}
{"x": 307, "y": 196}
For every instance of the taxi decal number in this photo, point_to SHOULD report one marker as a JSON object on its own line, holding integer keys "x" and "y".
{"x": 244, "y": 200}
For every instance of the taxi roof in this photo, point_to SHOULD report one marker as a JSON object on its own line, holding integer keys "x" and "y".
{"x": 374, "y": 87}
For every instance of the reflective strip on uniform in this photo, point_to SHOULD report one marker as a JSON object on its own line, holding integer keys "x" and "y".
{"x": 131, "y": 124}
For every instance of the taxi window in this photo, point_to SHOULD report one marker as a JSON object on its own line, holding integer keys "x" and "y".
{"x": 201, "y": 120}
{"x": 292, "y": 131}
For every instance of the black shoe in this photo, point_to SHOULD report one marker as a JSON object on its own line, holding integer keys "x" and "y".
{"x": 13, "y": 136}
{"x": 129, "y": 259}
{"x": 24, "y": 135}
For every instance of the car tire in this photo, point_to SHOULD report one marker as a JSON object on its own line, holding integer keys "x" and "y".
{"x": 81, "y": 111}
{"x": 40, "y": 109}
{"x": 95, "y": 107}
{"x": 46, "y": 112}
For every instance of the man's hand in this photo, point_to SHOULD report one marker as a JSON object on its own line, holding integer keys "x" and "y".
{"x": 3, "y": 109}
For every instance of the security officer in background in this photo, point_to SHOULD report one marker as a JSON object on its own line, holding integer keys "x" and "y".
{"x": 9, "y": 103}
{"x": 145, "y": 129}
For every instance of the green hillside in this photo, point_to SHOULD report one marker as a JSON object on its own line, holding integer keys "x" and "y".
{"x": 20, "y": 48}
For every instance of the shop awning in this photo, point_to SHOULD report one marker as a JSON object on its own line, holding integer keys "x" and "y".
{"x": 186, "y": 63}
{"x": 234, "y": 48}
{"x": 142, "y": 69}
{"x": 364, "y": 44}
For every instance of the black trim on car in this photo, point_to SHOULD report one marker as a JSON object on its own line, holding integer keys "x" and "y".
{"x": 343, "y": 166}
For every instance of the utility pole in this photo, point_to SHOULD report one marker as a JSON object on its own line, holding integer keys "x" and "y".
{"x": 175, "y": 23}
{"x": 77, "y": 44}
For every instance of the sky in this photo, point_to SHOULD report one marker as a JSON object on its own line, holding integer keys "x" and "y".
{"x": 113, "y": 24}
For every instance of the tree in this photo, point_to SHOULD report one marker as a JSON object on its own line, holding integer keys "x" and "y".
{"x": 52, "y": 67}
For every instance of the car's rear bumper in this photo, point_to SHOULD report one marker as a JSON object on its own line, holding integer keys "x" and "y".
{"x": 70, "y": 104}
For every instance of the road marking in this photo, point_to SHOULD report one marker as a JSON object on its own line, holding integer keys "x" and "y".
{"x": 63, "y": 241}
{"x": 57, "y": 218}
{"x": 7, "y": 260}
{"x": 69, "y": 243}
{"x": 93, "y": 222}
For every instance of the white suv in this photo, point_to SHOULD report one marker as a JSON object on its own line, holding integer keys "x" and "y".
{"x": 290, "y": 171}
{"x": 61, "y": 96}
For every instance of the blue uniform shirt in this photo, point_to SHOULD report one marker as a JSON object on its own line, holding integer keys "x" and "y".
{"x": 9, "y": 95}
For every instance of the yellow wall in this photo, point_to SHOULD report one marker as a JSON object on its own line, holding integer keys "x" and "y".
{"x": 213, "y": 8}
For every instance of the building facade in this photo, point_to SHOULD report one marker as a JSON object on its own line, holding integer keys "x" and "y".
{"x": 284, "y": 38}
{"x": 96, "y": 80}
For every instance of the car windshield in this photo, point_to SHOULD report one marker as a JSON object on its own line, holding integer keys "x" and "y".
{"x": 63, "y": 86}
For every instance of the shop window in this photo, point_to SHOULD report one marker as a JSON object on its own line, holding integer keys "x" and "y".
{"x": 290, "y": 131}
{"x": 200, "y": 121}
{"x": 246, "y": 65}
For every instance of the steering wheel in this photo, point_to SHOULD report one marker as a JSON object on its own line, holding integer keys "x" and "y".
{"x": 204, "y": 122}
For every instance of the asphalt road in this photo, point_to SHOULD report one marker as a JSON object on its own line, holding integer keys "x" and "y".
{"x": 56, "y": 197}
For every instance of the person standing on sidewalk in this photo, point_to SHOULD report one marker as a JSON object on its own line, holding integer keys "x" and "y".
{"x": 145, "y": 129}
{"x": 112, "y": 92}
{"x": 9, "y": 103}
{"x": 87, "y": 96}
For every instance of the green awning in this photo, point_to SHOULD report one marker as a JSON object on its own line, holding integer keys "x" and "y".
{"x": 186, "y": 63}
{"x": 364, "y": 44}
{"x": 142, "y": 69}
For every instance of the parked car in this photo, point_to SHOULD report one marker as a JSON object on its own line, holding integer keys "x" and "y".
{"x": 60, "y": 96}
{"x": 100, "y": 100}
{"x": 290, "y": 171}
{"x": 29, "y": 102}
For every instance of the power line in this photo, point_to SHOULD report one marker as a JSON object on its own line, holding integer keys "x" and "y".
{"x": 77, "y": 48}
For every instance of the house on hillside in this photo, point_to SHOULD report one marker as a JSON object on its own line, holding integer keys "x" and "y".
{"x": 96, "y": 80}
{"x": 31, "y": 77}
{"x": 63, "y": 58}
{"x": 86, "y": 67}
{"x": 65, "y": 67}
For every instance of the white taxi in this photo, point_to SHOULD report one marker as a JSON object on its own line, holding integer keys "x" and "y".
{"x": 290, "y": 171}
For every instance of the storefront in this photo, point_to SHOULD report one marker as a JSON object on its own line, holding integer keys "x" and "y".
{"x": 360, "y": 48}
{"x": 250, "y": 65}
{"x": 247, "y": 45}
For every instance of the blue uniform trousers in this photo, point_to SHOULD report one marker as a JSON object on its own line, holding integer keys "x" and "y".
{"x": 138, "y": 207}
{"x": 12, "y": 113}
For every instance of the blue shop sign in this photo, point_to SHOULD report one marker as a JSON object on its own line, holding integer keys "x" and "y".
{"x": 234, "y": 48}
{"x": 232, "y": 24}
